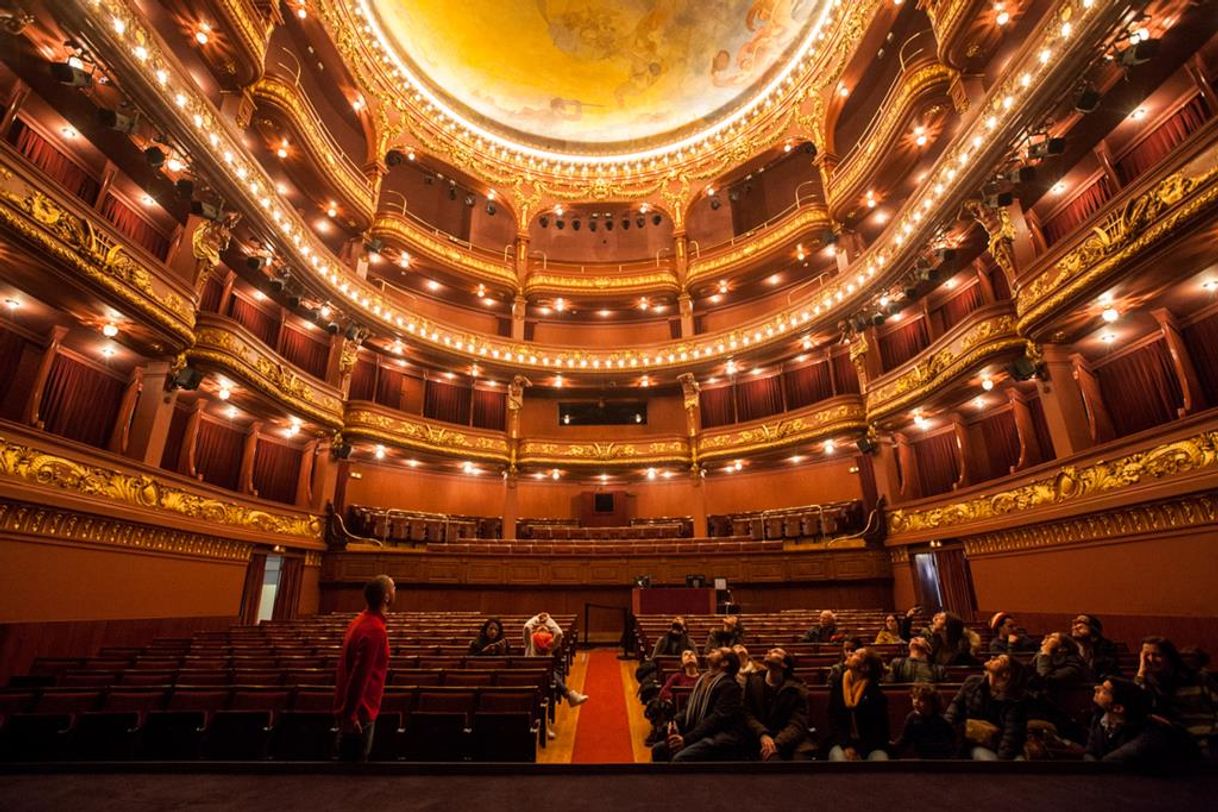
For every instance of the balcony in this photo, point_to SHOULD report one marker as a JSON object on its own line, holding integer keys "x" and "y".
{"x": 803, "y": 219}
{"x": 382, "y": 425}
{"x": 827, "y": 419}
{"x": 654, "y": 451}
{"x": 646, "y": 277}
{"x": 403, "y": 230}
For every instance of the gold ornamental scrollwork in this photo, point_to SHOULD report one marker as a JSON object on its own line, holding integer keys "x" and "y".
{"x": 654, "y": 452}
{"x": 1069, "y": 484}
{"x": 810, "y": 425}
{"x": 408, "y": 431}
{"x": 32, "y": 466}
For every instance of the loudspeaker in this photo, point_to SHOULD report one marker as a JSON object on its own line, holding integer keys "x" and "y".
{"x": 1088, "y": 100}
{"x": 70, "y": 75}
{"x": 394, "y": 157}
{"x": 1023, "y": 369}
{"x": 866, "y": 445}
{"x": 187, "y": 378}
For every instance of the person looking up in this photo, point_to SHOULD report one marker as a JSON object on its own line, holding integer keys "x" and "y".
{"x": 825, "y": 631}
{"x": 858, "y": 710}
{"x": 776, "y": 710}
{"x": 674, "y": 641}
{"x": 729, "y": 634}
{"x": 712, "y": 726}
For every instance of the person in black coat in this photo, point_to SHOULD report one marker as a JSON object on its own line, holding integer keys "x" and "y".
{"x": 1098, "y": 652}
{"x": 776, "y": 710}
{"x": 712, "y": 726}
{"x": 858, "y": 710}
{"x": 1123, "y": 731}
{"x": 730, "y": 634}
{"x": 674, "y": 642}
{"x": 925, "y": 731}
{"x": 994, "y": 705}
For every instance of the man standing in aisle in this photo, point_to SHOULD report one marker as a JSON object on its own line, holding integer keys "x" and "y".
{"x": 362, "y": 668}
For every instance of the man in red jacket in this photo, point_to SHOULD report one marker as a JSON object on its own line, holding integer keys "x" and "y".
{"x": 362, "y": 668}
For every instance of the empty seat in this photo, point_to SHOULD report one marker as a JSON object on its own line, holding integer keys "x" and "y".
{"x": 438, "y": 727}
{"x": 505, "y": 727}
{"x": 177, "y": 731}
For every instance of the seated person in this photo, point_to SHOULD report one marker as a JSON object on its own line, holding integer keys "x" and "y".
{"x": 849, "y": 646}
{"x": 951, "y": 642}
{"x": 674, "y": 641}
{"x": 712, "y": 726}
{"x": 989, "y": 712}
{"x": 925, "y": 730}
{"x": 1123, "y": 731}
{"x": 1008, "y": 637}
{"x": 1187, "y": 697}
{"x": 891, "y": 633}
{"x": 825, "y": 632}
{"x": 1097, "y": 651}
{"x": 747, "y": 666}
{"x": 659, "y": 711}
{"x": 776, "y": 710}
{"x": 543, "y": 620}
{"x": 490, "y": 640}
{"x": 916, "y": 667}
{"x": 688, "y": 674}
{"x": 858, "y": 710}
{"x": 1059, "y": 665}
{"x": 731, "y": 633}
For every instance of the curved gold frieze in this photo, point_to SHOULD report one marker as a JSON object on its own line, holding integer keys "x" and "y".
{"x": 79, "y": 239}
{"x": 611, "y": 280}
{"x": 1068, "y": 484}
{"x": 249, "y": 33}
{"x": 229, "y": 346}
{"x": 829, "y": 419}
{"x": 367, "y": 421}
{"x": 406, "y": 232}
{"x": 26, "y": 465}
{"x": 756, "y": 245}
{"x": 986, "y": 333}
{"x": 649, "y": 451}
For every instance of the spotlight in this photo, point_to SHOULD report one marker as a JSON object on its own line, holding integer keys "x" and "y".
{"x": 592, "y": 225}
{"x": 332, "y": 328}
{"x": 878, "y": 318}
{"x": 733, "y": 195}
{"x": 208, "y": 211}
{"x": 859, "y": 323}
{"x": 866, "y": 445}
{"x": 715, "y": 203}
{"x": 809, "y": 148}
{"x": 352, "y": 331}
{"x": 1047, "y": 148}
{"x": 1023, "y": 368}
{"x": 944, "y": 255}
{"x": 394, "y": 157}
{"x": 608, "y": 225}
{"x": 1022, "y": 174}
{"x": 999, "y": 200}
{"x": 257, "y": 263}
{"x": 560, "y": 224}
{"x": 374, "y": 246}
{"x": 575, "y": 224}
{"x": 1138, "y": 53}
{"x": 68, "y": 74}
{"x": 625, "y": 223}
{"x": 469, "y": 200}
{"x": 640, "y": 221}
{"x": 490, "y": 208}
{"x": 656, "y": 219}
{"x": 155, "y": 156}
{"x": 278, "y": 283}
{"x": 1088, "y": 100}
{"x": 452, "y": 192}
{"x": 544, "y": 221}
{"x": 115, "y": 120}
{"x": 187, "y": 378}
{"x": 184, "y": 188}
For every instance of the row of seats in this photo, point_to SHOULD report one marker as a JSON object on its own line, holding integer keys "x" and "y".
{"x": 805, "y": 522}
{"x": 406, "y": 527}
{"x": 627, "y": 548}
{"x": 561, "y": 532}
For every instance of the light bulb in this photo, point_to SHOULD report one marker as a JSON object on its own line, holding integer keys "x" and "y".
{"x": 110, "y": 330}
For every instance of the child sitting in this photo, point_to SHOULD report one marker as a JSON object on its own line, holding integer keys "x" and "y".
{"x": 925, "y": 729}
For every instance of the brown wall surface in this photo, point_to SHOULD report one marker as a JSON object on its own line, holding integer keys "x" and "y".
{"x": 587, "y": 332}
{"x": 829, "y": 481}
{"x": 539, "y": 418}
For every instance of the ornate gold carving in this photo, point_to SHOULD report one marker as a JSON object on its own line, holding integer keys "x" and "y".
{"x": 312, "y": 558}
{"x": 401, "y": 229}
{"x": 1069, "y": 484}
{"x": 644, "y": 452}
{"x": 807, "y": 218}
{"x": 31, "y": 466}
{"x": 211, "y": 239}
{"x": 898, "y": 555}
{"x": 816, "y": 422}
{"x": 410, "y": 431}
{"x": 601, "y": 281}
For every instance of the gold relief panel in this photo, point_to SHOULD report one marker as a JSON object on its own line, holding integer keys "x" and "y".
{"x": 640, "y": 452}
{"x": 816, "y": 423}
{"x": 608, "y": 281}
{"x": 42, "y": 523}
{"x": 1069, "y": 484}
{"x": 813, "y": 216}
{"x": 26, "y": 465}
{"x": 402, "y": 229}
{"x": 91, "y": 247}
{"x": 410, "y": 431}
{"x": 221, "y": 343}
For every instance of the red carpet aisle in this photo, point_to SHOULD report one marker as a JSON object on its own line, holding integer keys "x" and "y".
{"x": 603, "y": 735}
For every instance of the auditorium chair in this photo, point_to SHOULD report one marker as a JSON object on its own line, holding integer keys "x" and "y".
{"x": 177, "y": 731}
{"x": 242, "y": 730}
{"x": 438, "y": 727}
{"x": 505, "y": 726}
{"x": 307, "y": 731}
{"x": 46, "y": 731}
{"x": 113, "y": 733}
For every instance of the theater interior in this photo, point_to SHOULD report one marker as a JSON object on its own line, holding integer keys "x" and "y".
{"x": 615, "y": 310}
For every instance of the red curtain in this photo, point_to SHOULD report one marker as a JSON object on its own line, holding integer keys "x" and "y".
{"x": 12, "y": 348}
{"x": 218, "y": 454}
{"x": 305, "y": 352}
{"x": 1085, "y": 204}
{"x": 1162, "y": 140}
{"x": 964, "y": 302}
{"x": 1041, "y": 426}
{"x": 715, "y": 406}
{"x": 251, "y": 593}
{"x": 808, "y": 385}
{"x": 363, "y": 381}
{"x": 53, "y": 162}
{"x": 389, "y": 388}
{"x": 173, "y": 442}
{"x": 903, "y": 343}
{"x": 137, "y": 228}
{"x": 489, "y": 409}
{"x": 999, "y": 446}
{"x": 1201, "y": 338}
{"x": 212, "y": 291}
{"x": 264, "y": 327}
{"x": 1140, "y": 388}
{"x": 447, "y": 402}
{"x": 998, "y": 281}
{"x": 938, "y": 462}
{"x": 956, "y": 583}
{"x": 845, "y": 376}
{"x": 759, "y": 397}
{"x": 276, "y": 471}
{"x": 287, "y": 595}
{"x": 80, "y": 402}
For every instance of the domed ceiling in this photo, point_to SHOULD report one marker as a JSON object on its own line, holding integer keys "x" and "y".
{"x": 596, "y": 75}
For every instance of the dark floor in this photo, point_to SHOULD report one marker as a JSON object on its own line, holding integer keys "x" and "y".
{"x": 620, "y": 790}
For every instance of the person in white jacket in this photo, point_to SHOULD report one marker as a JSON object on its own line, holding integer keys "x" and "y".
{"x": 544, "y": 621}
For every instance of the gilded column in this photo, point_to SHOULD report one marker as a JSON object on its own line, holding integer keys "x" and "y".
{"x": 39, "y": 383}
{"x": 685, "y": 306}
{"x": 1030, "y": 452}
{"x": 119, "y": 434}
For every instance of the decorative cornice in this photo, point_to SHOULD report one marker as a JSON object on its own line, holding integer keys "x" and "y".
{"x": 841, "y": 415}
{"x": 29, "y": 466}
{"x": 228, "y": 345}
{"x": 1068, "y": 484}
{"x": 41, "y": 523}
{"x": 252, "y": 33}
{"x": 648, "y": 451}
{"x": 1137, "y": 520}
{"x": 608, "y": 281}
{"x": 393, "y": 428}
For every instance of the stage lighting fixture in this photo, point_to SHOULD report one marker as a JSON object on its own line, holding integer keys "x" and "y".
{"x": 560, "y": 224}
{"x": 155, "y": 156}
{"x": 656, "y": 219}
{"x": 575, "y": 224}
{"x": 544, "y": 221}
{"x": 1047, "y": 148}
{"x": 208, "y": 211}
{"x": 715, "y": 203}
{"x": 394, "y": 157}
{"x": 1139, "y": 53}
{"x": 1088, "y": 100}
{"x": 184, "y": 188}
{"x": 115, "y": 120}
{"x": 68, "y": 74}
{"x": 1021, "y": 174}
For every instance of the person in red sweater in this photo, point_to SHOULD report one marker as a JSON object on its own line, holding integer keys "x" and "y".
{"x": 362, "y": 668}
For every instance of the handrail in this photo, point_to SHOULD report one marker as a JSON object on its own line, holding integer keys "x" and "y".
{"x": 544, "y": 258}
{"x": 405, "y": 202}
{"x": 807, "y": 283}
{"x": 773, "y": 220}
{"x": 413, "y": 220}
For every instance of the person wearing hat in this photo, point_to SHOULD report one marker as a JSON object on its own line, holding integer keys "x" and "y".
{"x": 990, "y": 711}
{"x": 1008, "y": 637}
{"x": 1097, "y": 651}
{"x": 776, "y": 710}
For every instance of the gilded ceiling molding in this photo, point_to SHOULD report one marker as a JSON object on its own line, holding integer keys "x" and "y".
{"x": 829, "y": 419}
{"x": 87, "y": 245}
{"x": 225, "y": 344}
{"x": 1137, "y": 520}
{"x": 251, "y": 28}
{"x": 597, "y": 280}
{"x": 1133, "y": 228}
{"x": 811, "y": 219}
{"x": 1068, "y": 484}
{"x": 989, "y": 332}
{"x": 898, "y": 555}
{"x": 39, "y": 523}
{"x": 393, "y": 428}
{"x": 648, "y": 451}
{"x": 353, "y": 188}
{"x": 26, "y": 465}
{"x": 948, "y": 20}
{"x": 414, "y": 236}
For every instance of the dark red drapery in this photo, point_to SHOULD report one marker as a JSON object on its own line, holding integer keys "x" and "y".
{"x": 305, "y": 352}
{"x": 218, "y": 454}
{"x": 173, "y": 440}
{"x": 759, "y": 397}
{"x": 210, "y": 302}
{"x": 1041, "y": 426}
{"x": 845, "y": 376}
{"x": 44, "y": 155}
{"x": 251, "y": 593}
{"x": 956, "y": 583}
{"x": 137, "y": 228}
{"x": 999, "y": 446}
{"x": 715, "y": 407}
{"x": 1201, "y": 338}
{"x": 960, "y": 305}
{"x": 80, "y": 402}
{"x": 1140, "y": 388}
{"x": 363, "y": 381}
{"x": 1085, "y": 204}
{"x": 447, "y": 402}
{"x": 938, "y": 462}
{"x": 903, "y": 343}
{"x": 389, "y": 387}
{"x": 287, "y": 594}
{"x": 1162, "y": 140}
{"x": 276, "y": 471}
{"x": 489, "y": 409}
{"x": 12, "y": 348}
{"x": 264, "y": 326}
{"x": 808, "y": 385}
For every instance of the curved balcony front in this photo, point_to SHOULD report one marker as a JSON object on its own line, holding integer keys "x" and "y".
{"x": 647, "y": 277}
{"x": 647, "y": 452}
{"x": 828, "y": 419}
{"x": 374, "y": 423}
{"x": 806, "y": 222}
{"x": 403, "y": 231}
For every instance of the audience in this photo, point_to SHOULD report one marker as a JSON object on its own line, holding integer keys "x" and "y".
{"x": 1008, "y": 637}
{"x": 776, "y": 711}
{"x": 825, "y": 632}
{"x": 747, "y": 666}
{"x": 674, "y": 642}
{"x": 1181, "y": 694}
{"x": 989, "y": 711}
{"x": 891, "y": 633}
{"x": 1097, "y": 651}
{"x": 925, "y": 730}
{"x": 688, "y": 674}
{"x": 858, "y": 710}
{"x": 1123, "y": 731}
{"x": 849, "y": 645}
{"x": 1059, "y": 664}
{"x": 490, "y": 640}
{"x": 916, "y": 666}
{"x": 659, "y": 710}
{"x": 712, "y": 726}
{"x": 951, "y": 642}
{"x": 730, "y": 634}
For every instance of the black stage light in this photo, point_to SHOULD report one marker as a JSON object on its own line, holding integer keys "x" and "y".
{"x": 640, "y": 221}
{"x": 608, "y": 225}
{"x": 208, "y": 211}
{"x": 575, "y": 224}
{"x": 1139, "y": 53}
{"x": 1088, "y": 100}
{"x": 394, "y": 157}
{"x": 68, "y": 74}
{"x": 490, "y": 208}
{"x": 999, "y": 200}
{"x": 878, "y": 318}
{"x": 592, "y": 225}
{"x": 374, "y": 246}
{"x": 560, "y": 224}
{"x": 809, "y": 148}
{"x": 1023, "y": 368}
{"x": 184, "y": 188}
{"x": 469, "y": 200}
{"x": 352, "y": 331}
{"x": 187, "y": 378}
{"x": 866, "y": 445}
{"x": 341, "y": 451}
{"x": 625, "y": 223}
{"x": 452, "y": 192}
{"x": 1047, "y": 148}
{"x": 332, "y": 328}
{"x": 715, "y": 204}
{"x": 544, "y": 221}
{"x": 944, "y": 255}
{"x": 1022, "y": 174}
{"x": 656, "y": 219}
{"x": 155, "y": 156}
{"x": 115, "y": 120}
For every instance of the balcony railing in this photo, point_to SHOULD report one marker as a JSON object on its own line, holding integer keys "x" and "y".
{"x": 827, "y": 419}
{"x": 379, "y": 424}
